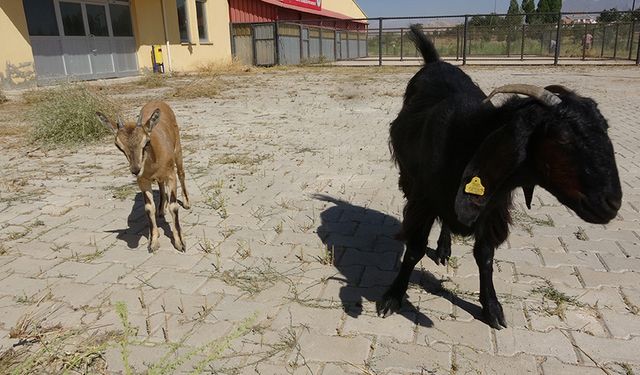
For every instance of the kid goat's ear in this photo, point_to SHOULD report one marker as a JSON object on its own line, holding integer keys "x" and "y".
{"x": 498, "y": 157}
{"x": 106, "y": 122}
{"x": 154, "y": 119}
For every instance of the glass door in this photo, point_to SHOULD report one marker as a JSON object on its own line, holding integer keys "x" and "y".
{"x": 99, "y": 34}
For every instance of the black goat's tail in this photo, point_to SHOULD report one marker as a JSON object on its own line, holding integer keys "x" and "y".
{"x": 426, "y": 47}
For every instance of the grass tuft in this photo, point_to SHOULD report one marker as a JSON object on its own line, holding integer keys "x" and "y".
{"x": 66, "y": 115}
{"x": 3, "y": 97}
{"x": 197, "y": 89}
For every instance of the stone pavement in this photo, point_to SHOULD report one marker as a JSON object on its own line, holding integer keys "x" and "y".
{"x": 290, "y": 242}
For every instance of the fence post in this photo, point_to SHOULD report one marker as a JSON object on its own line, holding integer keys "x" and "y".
{"x": 522, "y": 45}
{"x": 380, "y": 41}
{"x": 401, "y": 42}
{"x": 253, "y": 45}
{"x": 464, "y": 40}
{"x": 457, "y": 43}
{"x": 615, "y": 42}
{"x": 633, "y": 28}
{"x": 276, "y": 37}
{"x": 335, "y": 41}
{"x": 638, "y": 51}
{"x": 301, "y": 43}
{"x": 604, "y": 33}
{"x": 320, "y": 43}
{"x": 557, "y": 51}
{"x": 584, "y": 42}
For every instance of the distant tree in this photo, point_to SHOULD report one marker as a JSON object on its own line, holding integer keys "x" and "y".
{"x": 528, "y": 7}
{"x": 514, "y": 13}
{"x": 549, "y": 10}
{"x": 609, "y": 15}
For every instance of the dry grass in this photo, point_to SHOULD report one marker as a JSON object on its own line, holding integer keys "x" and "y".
{"x": 65, "y": 115}
{"x": 150, "y": 79}
{"x": 218, "y": 68}
{"x": 3, "y": 97}
{"x": 54, "y": 349}
{"x": 200, "y": 88}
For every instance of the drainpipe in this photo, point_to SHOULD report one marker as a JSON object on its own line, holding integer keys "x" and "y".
{"x": 166, "y": 36}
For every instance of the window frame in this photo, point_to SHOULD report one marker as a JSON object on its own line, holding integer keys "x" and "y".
{"x": 205, "y": 22}
{"x": 187, "y": 24}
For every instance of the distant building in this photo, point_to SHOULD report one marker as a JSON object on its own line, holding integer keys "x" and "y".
{"x": 47, "y": 40}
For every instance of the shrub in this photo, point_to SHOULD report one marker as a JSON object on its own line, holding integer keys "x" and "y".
{"x": 65, "y": 115}
{"x": 3, "y": 97}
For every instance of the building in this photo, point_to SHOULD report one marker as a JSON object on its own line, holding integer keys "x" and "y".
{"x": 49, "y": 40}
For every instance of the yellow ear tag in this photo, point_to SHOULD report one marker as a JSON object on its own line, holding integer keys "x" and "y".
{"x": 474, "y": 187}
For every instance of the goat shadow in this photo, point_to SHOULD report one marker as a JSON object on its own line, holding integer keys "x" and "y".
{"x": 138, "y": 224}
{"x": 362, "y": 236}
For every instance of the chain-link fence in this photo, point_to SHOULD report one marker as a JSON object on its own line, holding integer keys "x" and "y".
{"x": 533, "y": 38}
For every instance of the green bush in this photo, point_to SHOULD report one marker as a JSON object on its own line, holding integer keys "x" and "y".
{"x": 65, "y": 115}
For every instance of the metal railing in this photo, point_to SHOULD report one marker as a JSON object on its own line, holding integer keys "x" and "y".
{"x": 545, "y": 38}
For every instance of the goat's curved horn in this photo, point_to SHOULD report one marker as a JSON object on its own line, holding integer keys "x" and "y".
{"x": 558, "y": 89}
{"x": 139, "y": 122}
{"x": 543, "y": 96}
{"x": 120, "y": 122}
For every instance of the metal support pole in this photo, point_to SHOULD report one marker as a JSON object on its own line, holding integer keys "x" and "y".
{"x": 335, "y": 41}
{"x": 276, "y": 41}
{"x": 401, "y": 42}
{"x": 604, "y": 33}
{"x": 457, "y": 43}
{"x": 615, "y": 42}
{"x": 633, "y": 28}
{"x": 638, "y": 51}
{"x": 253, "y": 45}
{"x": 301, "y": 43}
{"x": 522, "y": 44}
{"x": 320, "y": 43}
{"x": 557, "y": 51}
{"x": 584, "y": 42}
{"x": 380, "y": 41}
{"x": 464, "y": 40}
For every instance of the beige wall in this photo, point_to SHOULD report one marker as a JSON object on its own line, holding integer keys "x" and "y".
{"x": 184, "y": 56}
{"x": 346, "y": 7}
{"x": 16, "y": 58}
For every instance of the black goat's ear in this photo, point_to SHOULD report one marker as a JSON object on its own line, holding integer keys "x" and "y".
{"x": 501, "y": 153}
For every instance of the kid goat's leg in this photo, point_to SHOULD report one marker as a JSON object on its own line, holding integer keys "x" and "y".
{"x": 171, "y": 191}
{"x": 150, "y": 209}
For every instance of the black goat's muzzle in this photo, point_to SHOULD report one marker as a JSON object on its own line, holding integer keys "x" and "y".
{"x": 600, "y": 211}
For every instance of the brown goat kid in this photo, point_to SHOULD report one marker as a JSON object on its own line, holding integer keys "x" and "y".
{"x": 152, "y": 147}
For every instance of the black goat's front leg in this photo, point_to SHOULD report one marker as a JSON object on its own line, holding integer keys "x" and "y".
{"x": 416, "y": 229}
{"x": 491, "y": 308}
{"x": 443, "y": 251}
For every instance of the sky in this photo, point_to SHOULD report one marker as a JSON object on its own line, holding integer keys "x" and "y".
{"x": 398, "y": 8}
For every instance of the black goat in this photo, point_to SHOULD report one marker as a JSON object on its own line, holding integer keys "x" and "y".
{"x": 460, "y": 158}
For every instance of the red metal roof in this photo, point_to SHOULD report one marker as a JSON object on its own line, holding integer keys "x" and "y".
{"x": 321, "y": 12}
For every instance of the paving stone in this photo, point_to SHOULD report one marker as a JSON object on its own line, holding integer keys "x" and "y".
{"x": 77, "y": 271}
{"x": 322, "y": 321}
{"x": 553, "y": 343}
{"x": 182, "y": 281}
{"x": 389, "y": 355}
{"x": 469, "y": 361}
{"x": 28, "y": 266}
{"x": 621, "y": 326}
{"x": 596, "y": 279}
{"x": 19, "y": 286}
{"x": 552, "y": 366}
{"x": 604, "y": 349}
{"x": 398, "y": 326}
{"x": 475, "y": 334}
{"x": 319, "y": 348}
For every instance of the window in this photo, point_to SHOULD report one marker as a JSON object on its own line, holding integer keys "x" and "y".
{"x": 120, "y": 20}
{"x": 72, "y": 22}
{"x": 97, "y": 20}
{"x": 182, "y": 20}
{"x": 41, "y": 17}
{"x": 201, "y": 12}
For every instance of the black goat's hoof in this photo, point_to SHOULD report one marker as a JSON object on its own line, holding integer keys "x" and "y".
{"x": 493, "y": 315}
{"x": 388, "y": 305}
{"x": 443, "y": 253}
